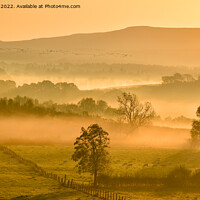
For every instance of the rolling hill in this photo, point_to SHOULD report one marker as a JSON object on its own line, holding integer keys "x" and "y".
{"x": 145, "y": 45}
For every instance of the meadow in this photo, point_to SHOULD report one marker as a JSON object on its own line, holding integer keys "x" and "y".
{"x": 125, "y": 161}
{"x": 21, "y": 182}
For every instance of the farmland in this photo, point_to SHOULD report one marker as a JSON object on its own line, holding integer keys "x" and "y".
{"x": 18, "y": 181}
{"x": 124, "y": 161}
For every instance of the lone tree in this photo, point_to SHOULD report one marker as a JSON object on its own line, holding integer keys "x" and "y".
{"x": 195, "y": 131}
{"x": 90, "y": 150}
{"x": 134, "y": 112}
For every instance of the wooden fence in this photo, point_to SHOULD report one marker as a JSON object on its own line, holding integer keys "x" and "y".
{"x": 85, "y": 188}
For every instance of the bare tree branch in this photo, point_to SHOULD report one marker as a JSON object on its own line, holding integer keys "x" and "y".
{"x": 134, "y": 112}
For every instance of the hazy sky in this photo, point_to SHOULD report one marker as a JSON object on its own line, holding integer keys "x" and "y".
{"x": 93, "y": 16}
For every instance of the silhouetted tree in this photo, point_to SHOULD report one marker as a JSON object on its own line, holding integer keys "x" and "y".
{"x": 195, "y": 131}
{"x": 134, "y": 112}
{"x": 87, "y": 105}
{"x": 101, "y": 106}
{"x": 90, "y": 150}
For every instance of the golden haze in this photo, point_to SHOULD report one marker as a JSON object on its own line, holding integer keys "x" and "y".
{"x": 94, "y": 16}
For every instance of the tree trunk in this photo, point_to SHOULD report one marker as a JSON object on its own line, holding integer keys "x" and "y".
{"x": 95, "y": 178}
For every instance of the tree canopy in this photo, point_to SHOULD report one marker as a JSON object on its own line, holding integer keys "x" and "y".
{"x": 91, "y": 150}
{"x": 134, "y": 112}
{"x": 195, "y": 131}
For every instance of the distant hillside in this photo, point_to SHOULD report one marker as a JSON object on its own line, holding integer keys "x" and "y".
{"x": 91, "y": 76}
{"x": 175, "y": 99}
{"x": 145, "y": 45}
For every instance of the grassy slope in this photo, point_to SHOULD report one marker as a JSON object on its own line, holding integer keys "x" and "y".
{"x": 58, "y": 159}
{"x": 147, "y": 45}
{"x": 52, "y": 158}
{"x": 18, "y": 180}
{"x": 128, "y": 160}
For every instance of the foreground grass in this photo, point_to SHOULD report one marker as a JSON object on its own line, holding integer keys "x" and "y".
{"x": 18, "y": 181}
{"x": 161, "y": 194}
{"x": 125, "y": 161}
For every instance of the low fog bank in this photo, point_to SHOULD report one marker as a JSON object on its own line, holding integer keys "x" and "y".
{"x": 174, "y": 108}
{"x": 48, "y": 130}
{"x": 86, "y": 83}
{"x": 159, "y": 137}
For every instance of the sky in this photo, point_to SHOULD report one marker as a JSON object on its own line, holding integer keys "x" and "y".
{"x": 94, "y": 16}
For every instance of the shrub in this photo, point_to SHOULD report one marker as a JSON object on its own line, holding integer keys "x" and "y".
{"x": 179, "y": 176}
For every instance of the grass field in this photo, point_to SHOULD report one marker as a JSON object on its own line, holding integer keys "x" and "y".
{"x": 18, "y": 181}
{"x": 125, "y": 160}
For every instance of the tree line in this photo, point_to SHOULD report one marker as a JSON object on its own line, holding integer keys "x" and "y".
{"x": 26, "y": 105}
{"x": 130, "y": 110}
{"x": 179, "y": 78}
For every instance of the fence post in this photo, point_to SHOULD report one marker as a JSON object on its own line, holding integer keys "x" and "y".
{"x": 65, "y": 179}
{"x": 68, "y": 183}
{"x": 71, "y": 183}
